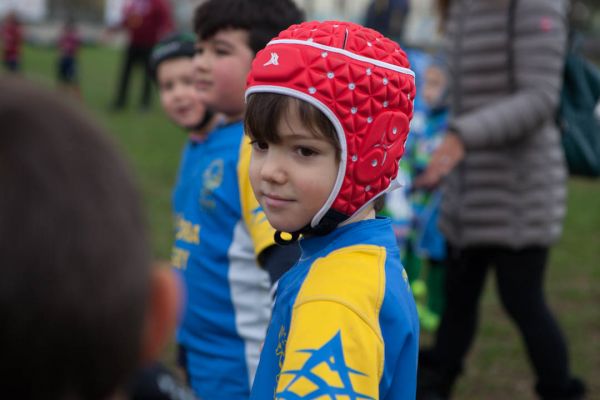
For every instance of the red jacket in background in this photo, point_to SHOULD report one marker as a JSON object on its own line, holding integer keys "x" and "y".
{"x": 147, "y": 21}
{"x": 11, "y": 36}
{"x": 69, "y": 43}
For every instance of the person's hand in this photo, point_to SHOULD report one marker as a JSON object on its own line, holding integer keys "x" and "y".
{"x": 449, "y": 153}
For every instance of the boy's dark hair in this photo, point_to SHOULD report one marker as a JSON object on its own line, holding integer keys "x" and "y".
{"x": 265, "y": 110}
{"x": 75, "y": 264}
{"x": 379, "y": 203}
{"x": 263, "y": 19}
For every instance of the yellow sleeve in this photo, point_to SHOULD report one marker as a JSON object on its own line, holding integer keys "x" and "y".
{"x": 254, "y": 217}
{"x": 335, "y": 345}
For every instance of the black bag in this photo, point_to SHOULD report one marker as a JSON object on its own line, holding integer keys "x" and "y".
{"x": 580, "y": 127}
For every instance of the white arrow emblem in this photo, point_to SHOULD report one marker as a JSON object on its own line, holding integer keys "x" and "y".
{"x": 273, "y": 61}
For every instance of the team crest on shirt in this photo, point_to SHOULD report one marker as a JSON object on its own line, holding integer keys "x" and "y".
{"x": 212, "y": 177}
{"x": 280, "y": 350}
{"x": 324, "y": 374}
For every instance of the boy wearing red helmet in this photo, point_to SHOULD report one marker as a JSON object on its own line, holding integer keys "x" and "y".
{"x": 224, "y": 249}
{"x": 328, "y": 110}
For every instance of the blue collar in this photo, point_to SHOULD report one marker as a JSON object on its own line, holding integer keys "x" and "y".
{"x": 361, "y": 232}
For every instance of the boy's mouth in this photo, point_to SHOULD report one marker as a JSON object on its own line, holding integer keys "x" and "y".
{"x": 203, "y": 84}
{"x": 273, "y": 200}
{"x": 183, "y": 109}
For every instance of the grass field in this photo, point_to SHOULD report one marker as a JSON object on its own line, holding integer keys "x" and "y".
{"x": 497, "y": 367}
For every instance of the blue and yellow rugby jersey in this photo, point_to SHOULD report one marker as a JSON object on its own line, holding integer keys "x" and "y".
{"x": 220, "y": 230}
{"x": 344, "y": 325}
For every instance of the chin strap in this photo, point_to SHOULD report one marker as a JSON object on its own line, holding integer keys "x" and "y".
{"x": 284, "y": 242}
{"x": 328, "y": 223}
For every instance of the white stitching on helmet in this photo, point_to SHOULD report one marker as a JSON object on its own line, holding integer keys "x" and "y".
{"x": 347, "y": 53}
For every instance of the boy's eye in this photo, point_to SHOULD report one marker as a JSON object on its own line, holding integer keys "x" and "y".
{"x": 259, "y": 145}
{"x": 222, "y": 52}
{"x": 305, "y": 151}
{"x": 199, "y": 50}
{"x": 164, "y": 86}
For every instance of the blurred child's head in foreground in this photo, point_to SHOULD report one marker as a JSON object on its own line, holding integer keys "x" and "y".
{"x": 229, "y": 34}
{"x": 80, "y": 304}
{"x": 173, "y": 70}
{"x": 329, "y": 105}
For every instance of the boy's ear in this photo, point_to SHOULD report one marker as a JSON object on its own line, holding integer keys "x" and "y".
{"x": 162, "y": 313}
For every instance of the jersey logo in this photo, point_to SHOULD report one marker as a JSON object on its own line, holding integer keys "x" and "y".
{"x": 330, "y": 355}
{"x": 273, "y": 61}
{"x": 212, "y": 177}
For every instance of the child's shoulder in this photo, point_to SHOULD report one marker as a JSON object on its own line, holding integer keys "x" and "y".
{"x": 349, "y": 264}
{"x": 351, "y": 275}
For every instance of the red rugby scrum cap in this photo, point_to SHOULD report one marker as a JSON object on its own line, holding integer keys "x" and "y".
{"x": 362, "y": 82}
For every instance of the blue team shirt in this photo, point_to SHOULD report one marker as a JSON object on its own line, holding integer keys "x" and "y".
{"x": 220, "y": 229}
{"x": 344, "y": 323}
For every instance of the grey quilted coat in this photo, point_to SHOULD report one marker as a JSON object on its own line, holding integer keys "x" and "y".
{"x": 510, "y": 189}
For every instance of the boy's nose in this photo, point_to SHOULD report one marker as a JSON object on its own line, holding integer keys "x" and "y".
{"x": 273, "y": 169}
{"x": 178, "y": 91}
{"x": 200, "y": 62}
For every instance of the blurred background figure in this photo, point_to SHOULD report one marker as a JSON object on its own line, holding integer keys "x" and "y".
{"x": 414, "y": 212}
{"x": 11, "y": 35}
{"x": 69, "y": 42}
{"x": 504, "y": 184}
{"x": 387, "y": 17}
{"x": 426, "y": 247}
{"x": 145, "y": 21}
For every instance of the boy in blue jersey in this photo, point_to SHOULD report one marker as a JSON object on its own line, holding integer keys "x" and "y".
{"x": 426, "y": 247}
{"x": 328, "y": 110}
{"x": 222, "y": 234}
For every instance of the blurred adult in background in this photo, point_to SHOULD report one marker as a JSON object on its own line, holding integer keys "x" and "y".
{"x": 504, "y": 183}
{"x": 387, "y": 17}
{"x": 145, "y": 21}
{"x": 11, "y": 36}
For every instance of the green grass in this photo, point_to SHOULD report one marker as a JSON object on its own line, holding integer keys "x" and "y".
{"x": 497, "y": 367}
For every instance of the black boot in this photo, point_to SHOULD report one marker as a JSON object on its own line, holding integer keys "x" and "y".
{"x": 434, "y": 382}
{"x": 573, "y": 390}
{"x": 430, "y": 385}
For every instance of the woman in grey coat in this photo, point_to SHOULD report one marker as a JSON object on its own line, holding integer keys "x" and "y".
{"x": 503, "y": 178}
